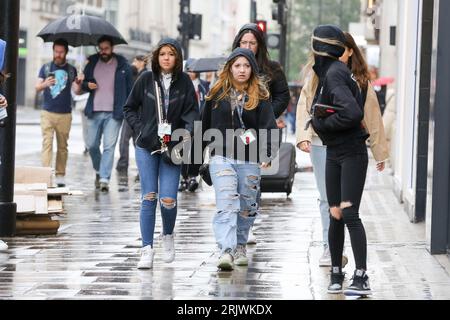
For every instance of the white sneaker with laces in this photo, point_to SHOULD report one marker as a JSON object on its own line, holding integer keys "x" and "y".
{"x": 146, "y": 261}
{"x": 240, "y": 256}
{"x": 169, "y": 248}
{"x": 225, "y": 262}
{"x": 3, "y": 246}
{"x": 325, "y": 260}
{"x": 251, "y": 238}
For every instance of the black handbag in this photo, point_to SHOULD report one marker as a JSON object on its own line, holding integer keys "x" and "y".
{"x": 324, "y": 111}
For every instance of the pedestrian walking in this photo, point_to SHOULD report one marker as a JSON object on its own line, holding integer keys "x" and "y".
{"x": 160, "y": 177}
{"x": 139, "y": 66}
{"x": 308, "y": 141}
{"x": 347, "y": 159}
{"x": 239, "y": 101}
{"x": 57, "y": 79}
{"x": 109, "y": 80}
{"x": 189, "y": 172}
{"x": 251, "y": 37}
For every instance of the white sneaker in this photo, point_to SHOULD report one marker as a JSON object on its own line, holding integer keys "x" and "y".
{"x": 168, "y": 247}
{"x": 146, "y": 261}
{"x": 240, "y": 256}
{"x": 3, "y": 246}
{"x": 225, "y": 262}
{"x": 325, "y": 260}
{"x": 251, "y": 238}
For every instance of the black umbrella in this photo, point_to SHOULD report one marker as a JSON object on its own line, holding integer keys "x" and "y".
{"x": 206, "y": 64}
{"x": 80, "y": 30}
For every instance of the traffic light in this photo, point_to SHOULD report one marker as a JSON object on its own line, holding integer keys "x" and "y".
{"x": 262, "y": 25}
{"x": 195, "y": 26}
{"x": 279, "y": 11}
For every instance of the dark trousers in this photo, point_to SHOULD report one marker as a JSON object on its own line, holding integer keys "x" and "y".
{"x": 346, "y": 171}
{"x": 124, "y": 147}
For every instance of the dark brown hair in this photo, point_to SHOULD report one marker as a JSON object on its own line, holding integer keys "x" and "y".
{"x": 177, "y": 70}
{"x": 356, "y": 63}
{"x": 62, "y": 43}
{"x": 262, "y": 56}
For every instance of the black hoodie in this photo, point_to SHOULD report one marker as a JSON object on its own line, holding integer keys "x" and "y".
{"x": 140, "y": 108}
{"x": 339, "y": 89}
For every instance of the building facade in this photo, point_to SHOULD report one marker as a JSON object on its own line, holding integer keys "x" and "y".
{"x": 414, "y": 47}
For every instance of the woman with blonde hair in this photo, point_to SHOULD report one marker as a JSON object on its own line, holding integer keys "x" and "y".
{"x": 238, "y": 103}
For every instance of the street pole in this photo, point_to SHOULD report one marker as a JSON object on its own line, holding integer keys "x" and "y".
{"x": 253, "y": 11}
{"x": 9, "y": 31}
{"x": 283, "y": 32}
{"x": 185, "y": 10}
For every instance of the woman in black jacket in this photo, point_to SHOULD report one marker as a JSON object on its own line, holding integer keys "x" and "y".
{"x": 179, "y": 111}
{"x": 236, "y": 117}
{"x": 251, "y": 37}
{"x": 346, "y": 168}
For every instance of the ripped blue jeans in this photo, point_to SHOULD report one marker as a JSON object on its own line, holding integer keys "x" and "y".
{"x": 156, "y": 175}
{"x": 236, "y": 184}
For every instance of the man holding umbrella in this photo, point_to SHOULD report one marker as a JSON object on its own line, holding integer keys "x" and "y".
{"x": 108, "y": 78}
{"x": 57, "y": 79}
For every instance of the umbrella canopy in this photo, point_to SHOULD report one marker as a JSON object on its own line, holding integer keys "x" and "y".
{"x": 80, "y": 30}
{"x": 206, "y": 64}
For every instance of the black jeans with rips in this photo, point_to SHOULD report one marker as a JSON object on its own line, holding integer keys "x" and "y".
{"x": 346, "y": 171}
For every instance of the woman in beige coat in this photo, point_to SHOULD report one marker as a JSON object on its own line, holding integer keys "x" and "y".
{"x": 309, "y": 142}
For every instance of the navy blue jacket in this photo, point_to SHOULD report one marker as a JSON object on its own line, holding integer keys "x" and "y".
{"x": 122, "y": 85}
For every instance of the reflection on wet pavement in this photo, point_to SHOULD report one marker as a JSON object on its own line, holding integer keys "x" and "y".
{"x": 95, "y": 253}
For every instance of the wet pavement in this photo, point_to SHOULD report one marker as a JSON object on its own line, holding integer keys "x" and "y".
{"x": 95, "y": 252}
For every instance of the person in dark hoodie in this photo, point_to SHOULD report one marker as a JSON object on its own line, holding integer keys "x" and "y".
{"x": 109, "y": 80}
{"x": 347, "y": 159}
{"x": 180, "y": 111}
{"x": 238, "y": 103}
{"x": 251, "y": 37}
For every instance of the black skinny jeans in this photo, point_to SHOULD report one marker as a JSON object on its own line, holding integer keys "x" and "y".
{"x": 346, "y": 171}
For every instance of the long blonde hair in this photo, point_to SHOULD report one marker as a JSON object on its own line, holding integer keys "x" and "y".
{"x": 256, "y": 87}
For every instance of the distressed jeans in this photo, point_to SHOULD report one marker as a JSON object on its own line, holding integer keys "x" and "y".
{"x": 346, "y": 171}
{"x": 157, "y": 176}
{"x": 236, "y": 185}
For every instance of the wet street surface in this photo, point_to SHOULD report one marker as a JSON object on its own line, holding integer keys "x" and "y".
{"x": 95, "y": 253}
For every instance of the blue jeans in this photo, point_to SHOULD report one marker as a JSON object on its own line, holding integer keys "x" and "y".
{"x": 319, "y": 159}
{"x": 236, "y": 185}
{"x": 152, "y": 169}
{"x": 103, "y": 124}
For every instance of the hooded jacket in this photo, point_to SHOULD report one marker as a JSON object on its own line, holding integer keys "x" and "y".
{"x": 123, "y": 83}
{"x": 337, "y": 87}
{"x": 219, "y": 114}
{"x": 373, "y": 121}
{"x": 140, "y": 108}
{"x": 278, "y": 86}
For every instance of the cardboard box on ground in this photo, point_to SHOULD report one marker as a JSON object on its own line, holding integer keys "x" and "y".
{"x": 38, "y": 200}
